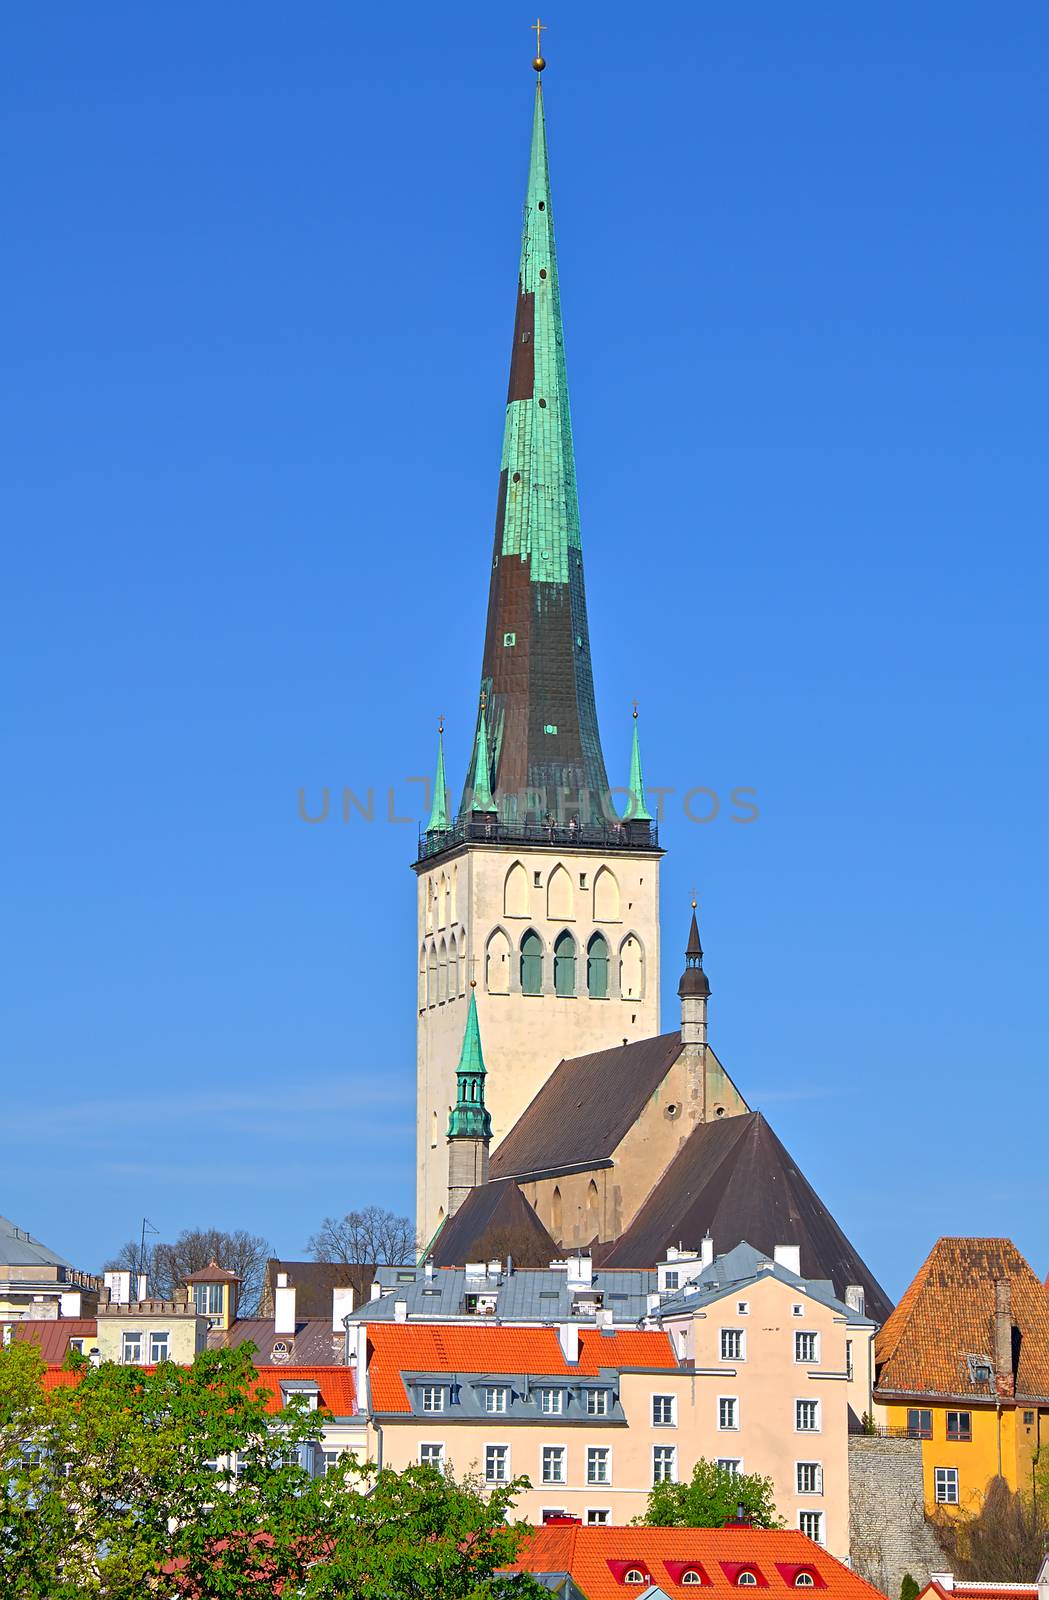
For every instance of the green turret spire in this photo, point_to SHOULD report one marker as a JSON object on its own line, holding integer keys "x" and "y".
{"x": 637, "y": 809}
{"x": 439, "y": 822}
{"x": 469, "y": 1119}
{"x": 482, "y": 786}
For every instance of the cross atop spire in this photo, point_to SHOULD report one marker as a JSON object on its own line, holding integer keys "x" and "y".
{"x": 538, "y": 29}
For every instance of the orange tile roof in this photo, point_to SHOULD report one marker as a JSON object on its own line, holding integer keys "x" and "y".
{"x": 947, "y": 1314}
{"x": 337, "y": 1392}
{"x": 456, "y": 1347}
{"x": 598, "y": 1558}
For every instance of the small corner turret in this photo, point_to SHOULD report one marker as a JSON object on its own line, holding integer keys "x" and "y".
{"x": 470, "y": 1123}
{"x": 694, "y": 990}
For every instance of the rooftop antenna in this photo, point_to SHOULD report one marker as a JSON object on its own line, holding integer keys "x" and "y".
{"x": 147, "y": 1227}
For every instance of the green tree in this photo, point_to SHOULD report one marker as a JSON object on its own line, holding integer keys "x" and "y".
{"x": 909, "y": 1588}
{"x": 120, "y": 1483}
{"x": 710, "y": 1498}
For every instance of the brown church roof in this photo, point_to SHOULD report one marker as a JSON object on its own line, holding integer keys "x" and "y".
{"x": 585, "y": 1107}
{"x": 947, "y": 1314}
{"x": 734, "y": 1180}
{"x": 495, "y": 1219}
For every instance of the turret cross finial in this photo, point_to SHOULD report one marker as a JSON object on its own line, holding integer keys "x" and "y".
{"x": 540, "y": 29}
{"x": 694, "y": 898}
{"x": 440, "y": 723}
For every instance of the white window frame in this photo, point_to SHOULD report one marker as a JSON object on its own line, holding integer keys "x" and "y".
{"x": 593, "y": 1452}
{"x": 497, "y": 1445}
{"x": 668, "y": 1452}
{"x": 553, "y": 1452}
{"x": 208, "y": 1299}
{"x": 819, "y": 1537}
{"x": 129, "y": 1337}
{"x": 737, "y": 1333}
{"x": 429, "y": 1391}
{"x": 817, "y": 1410}
{"x": 496, "y": 1399}
{"x": 78, "y": 1345}
{"x": 743, "y": 1308}
{"x": 432, "y": 1444}
{"x": 665, "y": 1422}
{"x": 806, "y": 1333}
{"x": 671, "y": 1280}
{"x": 597, "y": 1402}
{"x": 946, "y": 1478}
{"x": 597, "y": 1516}
{"x": 552, "y": 1402}
{"x": 732, "y": 1464}
{"x": 733, "y": 1401}
{"x": 154, "y": 1338}
{"x": 817, "y": 1467}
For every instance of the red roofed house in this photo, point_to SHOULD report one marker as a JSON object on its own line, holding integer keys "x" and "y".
{"x": 665, "y": 1563}
{"x": 944, "y": 1586}
{"x": 592, "y": 1416}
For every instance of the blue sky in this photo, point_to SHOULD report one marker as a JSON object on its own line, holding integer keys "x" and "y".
{"x": 259, "y": 275}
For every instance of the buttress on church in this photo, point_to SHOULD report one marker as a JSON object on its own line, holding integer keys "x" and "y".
{"x": 552, "y": 1111}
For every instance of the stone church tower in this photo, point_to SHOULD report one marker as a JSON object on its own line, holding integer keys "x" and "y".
{"x": 540, "y": 888}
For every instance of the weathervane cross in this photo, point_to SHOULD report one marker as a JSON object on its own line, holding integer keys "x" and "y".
{"x": 539, "y": 29}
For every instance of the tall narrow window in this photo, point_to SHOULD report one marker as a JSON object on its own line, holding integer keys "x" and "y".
{"x": 556, "y": 1211}
{"x": 531, "y": 963}
{"x": 631, "y": 968}
{"x": 442, "y": 973}
{"x": 593, "y": 1204}
{"x": 431, "y": 976}
{"x": 597, "y": 967}
{"x": 497, "y": 963}
{"x": 564, "y": 965}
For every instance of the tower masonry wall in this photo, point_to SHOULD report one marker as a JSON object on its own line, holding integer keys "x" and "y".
{"x": 481, "y": 902}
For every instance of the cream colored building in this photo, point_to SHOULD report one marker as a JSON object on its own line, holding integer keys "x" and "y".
{"x": 145, "y": 1332}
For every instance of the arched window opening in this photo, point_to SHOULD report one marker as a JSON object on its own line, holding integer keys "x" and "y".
{"x": 631, "y": 968}
{"x": 564, "y": 965}
{"x": 606, "y": 897}
{"x": 515, "y": 892}
{"x": 431, "y": 976}
{"x": 597, "y": 967}
{"x": 746, "y": 1579}
{"x": 442, "y": 973}
{"x": 634, "y": 1575}
{"x": 497, "y": 963}
{"x": 592, "y": 1201}
{"x": 804, "y": 1580}
{"x": 453, "y": 897}
{"x": 559, "y": 897}
{"x": 422, "y": 977}
{"x": 429, "y": 892}
{"x": 531, "y": 963}
{"x": 690, "y": 1575}
{"x": 462, "y": 963}
{"x": 433, "y": 1133}
{"x": 442, "y": 902}
{"x": 556, "y": 1212}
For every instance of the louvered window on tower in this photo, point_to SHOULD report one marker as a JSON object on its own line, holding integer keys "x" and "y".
{"x": 531, "y": 964}
{"x": 564, "y": 965}
{"x": 597, "y": 968}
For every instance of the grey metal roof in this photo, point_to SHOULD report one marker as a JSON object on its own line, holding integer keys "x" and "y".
{"x": 735, "y": 1270}
{"x": 466, "y": 1396}
{"x": 527, "y": 1295}
{"x": 18, "y": 1248}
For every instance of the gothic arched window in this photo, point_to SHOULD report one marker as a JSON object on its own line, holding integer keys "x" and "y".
{"x": 597, "y": 967}
{"x": 564, "y": 965}
{"x": 497, "y": 963}
{"x": 431, "y": 976}
{"x": 531, "y": 963}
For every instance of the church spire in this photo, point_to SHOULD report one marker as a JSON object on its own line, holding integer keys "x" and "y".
{"x": 637, "y": 808}
{"x": 469, "y": 1118}
{"x": 438, "y": 822}
{"x": 542, "y": 718}
{"x": 479, "y": 786}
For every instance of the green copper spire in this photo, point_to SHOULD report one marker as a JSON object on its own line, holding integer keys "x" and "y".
{"x": 637, "y": 809}
{"x": 469, "y": 1119}
{"x": 439, "y": 822}
{"x": 537, "y": 671}
{"x": 482, "y": 787}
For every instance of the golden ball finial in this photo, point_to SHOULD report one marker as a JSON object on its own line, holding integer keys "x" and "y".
{"x": 539, "y": 63}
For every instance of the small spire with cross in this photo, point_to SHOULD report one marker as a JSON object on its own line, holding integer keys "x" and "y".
{"x": 539, "y": 28}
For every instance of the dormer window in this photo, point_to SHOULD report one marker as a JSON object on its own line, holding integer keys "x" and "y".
{"x": 804, "y": 1580}
{"x": 634, "y": 1575}
{"x": 433, "y": 1397}
{"x": 597, "y": 1402}
{"x": 690, "y": 1575}
{"x": 495, "y": 1399}
{"x": 746, "y": 1579}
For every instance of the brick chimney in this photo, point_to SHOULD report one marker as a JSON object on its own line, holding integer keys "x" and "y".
{"x": 1004, "y": 1377}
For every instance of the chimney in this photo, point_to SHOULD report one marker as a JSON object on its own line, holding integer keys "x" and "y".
{"x": 143, "y": 1285}
{"x": 944, "y": 1579}
{"x": 495, "y": 1268}
{"x": 360, "y": 1376}
{"x": 1003, "y": 1333}
{"x": 283, "y": 1305}
{"x": 652, "y": 1300}
{"x": 855, "y": 1298}
{"x": 604, "y": 1320}
{"x": 400, "y": 1311}
{"x": 376, "y": 1290}
{"x": 70, "y": 1304}
{"x": 341, "y": 1306}
{"x": 119, "y": 1286}
{"x": 428, "y": 1266}
{"x": 789, "y": 1256}
{"x": 568, "y": 1334}
{"x": 580, "y": 1270}
{"x": 706, "y": 1251}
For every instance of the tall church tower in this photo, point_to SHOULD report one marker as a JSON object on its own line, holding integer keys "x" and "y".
{"x": 539, "y": 888}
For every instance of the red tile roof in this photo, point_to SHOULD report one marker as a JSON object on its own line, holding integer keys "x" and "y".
{"x": 947, "y": 1314}
{"x": 212, "y": 1273}
{"x": 450, "y": 1347}
{"x": 599, "y": 1558}
{"x": 337, "y": 1392}
{"x": 52, "y": 1336}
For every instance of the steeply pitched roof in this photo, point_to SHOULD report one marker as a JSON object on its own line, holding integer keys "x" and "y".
{"x": 597, "y": 1560}
{"x": 585, "y": 1107}
{"x": 18, "y": 1248}
{"x": 313, "y": 1282}
{"x": 212, "y": 1273}
{"x": 51, "y": 1335}
{"x": 455, "y": 1347}
{"x": 490, "y": 1215}
{"x": 948, "y": 1314}
{"x": 734, "y": 1180}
